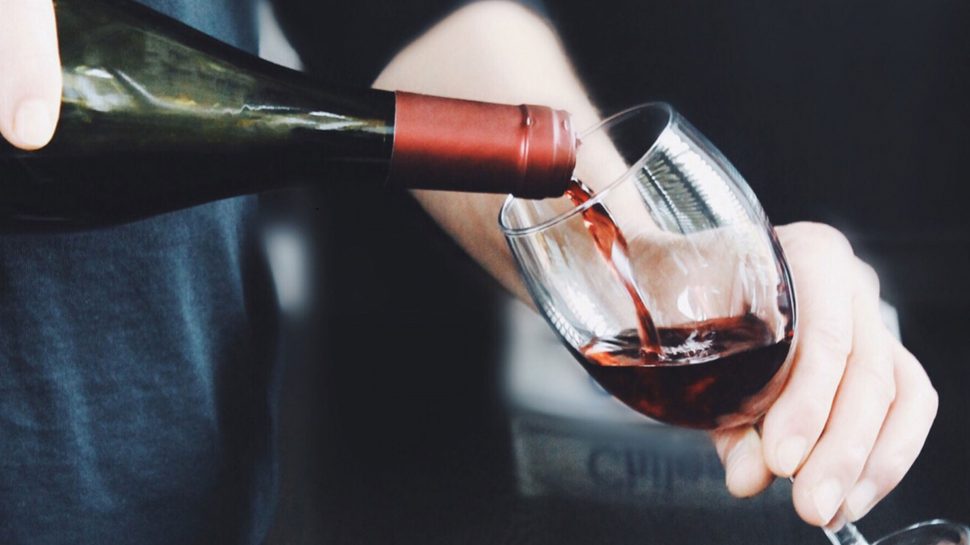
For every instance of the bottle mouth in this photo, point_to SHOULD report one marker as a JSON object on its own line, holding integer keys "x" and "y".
{"x": 547, "y": 152}
{"x": 462, "y": 145}
{"x": 655, "y": 118}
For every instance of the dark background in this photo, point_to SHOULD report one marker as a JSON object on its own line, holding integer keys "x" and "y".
{"x": 851, "y": 113}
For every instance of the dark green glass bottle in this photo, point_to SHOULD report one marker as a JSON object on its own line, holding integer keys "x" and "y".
{"x": 157, "y": 116}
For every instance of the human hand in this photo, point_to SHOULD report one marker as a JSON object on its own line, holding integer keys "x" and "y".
{"x": 30, "y": 73}
{"x": 857, "y": 407}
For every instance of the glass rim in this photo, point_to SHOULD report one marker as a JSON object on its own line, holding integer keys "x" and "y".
{"x": 600, "y": 195}
{"x": 924, "y": 524}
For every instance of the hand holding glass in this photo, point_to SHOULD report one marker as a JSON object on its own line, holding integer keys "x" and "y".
{"x": 667, "y": 283}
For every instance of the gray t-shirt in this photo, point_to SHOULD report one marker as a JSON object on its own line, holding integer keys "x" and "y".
{"x": 137, "y": 370}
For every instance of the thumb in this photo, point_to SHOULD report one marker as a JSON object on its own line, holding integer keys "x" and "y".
{"x": 30, "y": 74}
{"x": 744, "y": 465}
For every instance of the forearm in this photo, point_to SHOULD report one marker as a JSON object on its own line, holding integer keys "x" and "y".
{"x": 494, "y": 51}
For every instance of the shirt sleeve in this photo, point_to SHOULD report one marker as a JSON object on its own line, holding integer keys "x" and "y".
{"x": 351, "y": 42}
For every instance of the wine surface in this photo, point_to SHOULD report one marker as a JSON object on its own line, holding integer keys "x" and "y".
{"x": 727, "y": 371}
{"x": 736, "y": 374}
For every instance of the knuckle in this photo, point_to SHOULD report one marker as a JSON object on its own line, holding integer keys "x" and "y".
{"x": 868, "y": 275}
{"x": 825, "y": 236}
{"x": 933, "y": 396}
{"x": 888, "y": 474}
{"x": 812, "y": 413}
{"x": 832, "y": 336}
{"x": 878, "y": 381}
{"x": 924, "y": 393}
{"x": 852, "y": 459}
{"x": 931, "y": 400}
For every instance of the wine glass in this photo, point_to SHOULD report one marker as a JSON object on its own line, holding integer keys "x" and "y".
{"x": 661, "y": 273}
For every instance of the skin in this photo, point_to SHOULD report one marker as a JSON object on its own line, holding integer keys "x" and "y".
{"x": 857, "y": 407}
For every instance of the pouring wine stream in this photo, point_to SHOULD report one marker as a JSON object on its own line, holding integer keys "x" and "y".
{"x": 613, "y": 247}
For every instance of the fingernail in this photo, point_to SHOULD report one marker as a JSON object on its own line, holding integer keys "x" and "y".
{"x": 827, "y": 497}
{"x": 790, "y": 452}
{"x": 837, "y": 523}
{"x": 32, "y": 123}
{"x": 860, "y": 499}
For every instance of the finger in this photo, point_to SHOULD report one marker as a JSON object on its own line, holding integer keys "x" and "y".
{"x": 861, "y": 404}
{"x": 902, "y": 436}
{"x": 821, "y": 260}
{"x": 30, "y": 74}
{"x": 745, "y": 472}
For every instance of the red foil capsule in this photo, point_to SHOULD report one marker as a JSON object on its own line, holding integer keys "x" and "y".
{"x": 462, "y": 145}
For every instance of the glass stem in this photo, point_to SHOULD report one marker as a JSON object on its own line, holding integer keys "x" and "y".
{"x": 847, "y": 533}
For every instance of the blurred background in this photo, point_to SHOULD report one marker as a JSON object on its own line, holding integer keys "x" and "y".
{"x": 421, "y": 405}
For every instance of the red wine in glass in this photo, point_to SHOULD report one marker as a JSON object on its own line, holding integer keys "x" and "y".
{"x": 726, "y": 372}
{"x": 614, "y": 249}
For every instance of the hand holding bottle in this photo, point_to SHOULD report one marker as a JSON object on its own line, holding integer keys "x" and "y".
{"x": 30, "y": 74}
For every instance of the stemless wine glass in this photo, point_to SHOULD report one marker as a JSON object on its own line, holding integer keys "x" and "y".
{"x": 661, "y": 273}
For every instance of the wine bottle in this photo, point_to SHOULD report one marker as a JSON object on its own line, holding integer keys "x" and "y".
{"x": 157, "y": 116}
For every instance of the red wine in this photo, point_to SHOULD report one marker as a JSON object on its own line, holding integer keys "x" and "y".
{"x": 712, "y": 374}
{"x": 735, "y": 376}
{"x": 614, "y": 249}
{"x": 157, "y": 116}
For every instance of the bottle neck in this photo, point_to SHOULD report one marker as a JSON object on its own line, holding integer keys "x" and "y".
{"x": 157, "y": 116}
{"x": 461, "y": 145}
{"x": 143, "y": 83}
